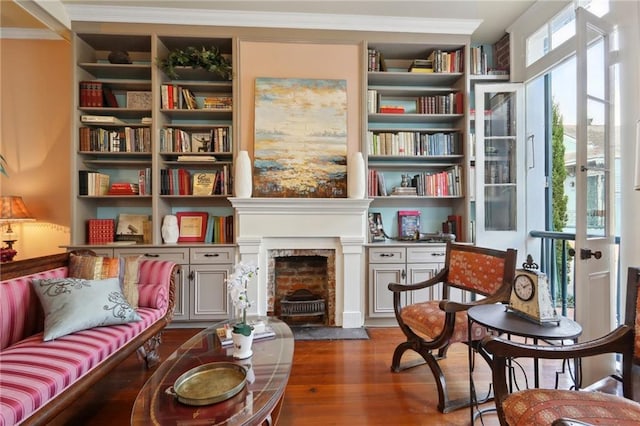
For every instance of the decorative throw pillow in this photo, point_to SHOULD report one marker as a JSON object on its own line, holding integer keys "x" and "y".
{"x": 74, "y": 304}
{"x": 99, "y": 268}
{"x": 93, "y": 267}
{"x": 129, "y": 278}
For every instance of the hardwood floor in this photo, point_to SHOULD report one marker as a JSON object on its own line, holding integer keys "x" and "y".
{"x": 346, "y": 382}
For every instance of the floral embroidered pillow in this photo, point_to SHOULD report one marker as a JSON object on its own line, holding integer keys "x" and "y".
{"x": 74, "y": 304}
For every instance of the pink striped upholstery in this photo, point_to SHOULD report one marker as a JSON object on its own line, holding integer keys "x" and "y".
{"x": 32, "y": 371}
{"x": 20, "y": 311}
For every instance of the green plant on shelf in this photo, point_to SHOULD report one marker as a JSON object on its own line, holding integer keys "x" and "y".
{"x": 210, "y": 60}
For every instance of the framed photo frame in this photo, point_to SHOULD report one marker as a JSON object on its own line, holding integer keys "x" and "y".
{"x": 376, "y": 231}
{"x": 139, "y": 100}
{"x": 201, "y": 142}
{"x": 192, "y": 226}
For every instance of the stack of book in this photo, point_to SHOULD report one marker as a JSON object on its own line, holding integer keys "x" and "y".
{"x": 421, "y": 65}
{"x": 124, "y": 188}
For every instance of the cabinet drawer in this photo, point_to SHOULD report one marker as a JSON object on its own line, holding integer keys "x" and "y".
{"x": 421, "y": 254}
{"x": 174, "y": 254}
{"x": 387, "y": 255}
{"x": 209, "y": 255}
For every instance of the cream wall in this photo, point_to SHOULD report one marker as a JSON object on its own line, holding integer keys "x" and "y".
{"x": 35, "y": 88}
{"x": 303, "y": 60}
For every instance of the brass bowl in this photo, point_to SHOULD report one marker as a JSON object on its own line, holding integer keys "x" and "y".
{"x": 209, "y": 383}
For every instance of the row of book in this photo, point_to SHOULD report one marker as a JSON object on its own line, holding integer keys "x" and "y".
{"x": 93, "y": 183}
{"x": 444, "y": 183}
{"x": 414, "y": 143}
{"x": 452, "y": 103}
{"x": 216, "y": 139}
{"x": 173, "y": 96}
{"x": 185, "y": 182}
{"x": 219, "y": 230}
{"x": 92, "y": 95}
{"x": 126, "y": 139}
{"x": 444, "y": 61}
{"x": 439, "y": 61}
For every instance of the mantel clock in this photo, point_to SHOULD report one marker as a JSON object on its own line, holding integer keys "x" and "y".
{"x": 531, "y": 295}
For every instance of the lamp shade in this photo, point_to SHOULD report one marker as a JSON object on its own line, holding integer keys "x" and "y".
{"x": 12, "y": 209}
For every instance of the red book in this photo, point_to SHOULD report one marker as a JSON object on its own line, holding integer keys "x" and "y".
{"x": 100, "y": 231}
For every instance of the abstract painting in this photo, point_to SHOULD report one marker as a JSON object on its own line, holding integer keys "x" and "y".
{"x": 300, "y": 138}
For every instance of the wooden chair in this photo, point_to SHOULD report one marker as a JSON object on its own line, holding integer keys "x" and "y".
{"x": 434, "y": 325}
{"x": 574, "y": 407}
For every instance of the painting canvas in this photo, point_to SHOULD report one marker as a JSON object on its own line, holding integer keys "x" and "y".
{"x": 300, "y": 138}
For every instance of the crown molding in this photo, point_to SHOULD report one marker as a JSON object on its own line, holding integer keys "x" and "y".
{"x": 29, "y": 34}
{"x": 318, "y": 21}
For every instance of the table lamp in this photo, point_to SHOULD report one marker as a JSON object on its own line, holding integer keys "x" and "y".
{"x": 12, "y": 210}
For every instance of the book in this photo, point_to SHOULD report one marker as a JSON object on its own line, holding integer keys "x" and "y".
{"x": 100, "y": 231}
{"x": 203, "y": 183}
{"x": 224, "y": 334}
{"x": 110, "y": 99}
{"x": 196, "y": 158}
{"x": 101, "y": 119}
{"x": 408, "y": 224}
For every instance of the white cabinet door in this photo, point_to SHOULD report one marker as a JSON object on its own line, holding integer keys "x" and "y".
{"x": 208, "y": 292}
{"x": 380, "y": 298}
{"x": 423, "y": 262}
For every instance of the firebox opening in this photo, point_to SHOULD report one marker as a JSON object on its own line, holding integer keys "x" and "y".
{"x": 301, "y": 289}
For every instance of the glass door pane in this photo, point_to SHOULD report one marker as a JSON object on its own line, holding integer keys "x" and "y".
{"x": 500, "y": 181}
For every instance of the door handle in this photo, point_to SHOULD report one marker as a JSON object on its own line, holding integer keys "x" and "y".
{"x": 587, "y": 254}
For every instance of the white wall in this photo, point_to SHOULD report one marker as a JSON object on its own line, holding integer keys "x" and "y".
{"x": 626, "y": 14}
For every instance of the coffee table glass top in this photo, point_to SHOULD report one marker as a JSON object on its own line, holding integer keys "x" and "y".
{"x": 267, "y": 375}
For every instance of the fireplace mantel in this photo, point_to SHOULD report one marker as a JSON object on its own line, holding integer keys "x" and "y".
{"x": 338, "y": 224}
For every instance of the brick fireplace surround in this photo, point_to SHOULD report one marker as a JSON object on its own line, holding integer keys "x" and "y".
{"x": 339, "y": 224}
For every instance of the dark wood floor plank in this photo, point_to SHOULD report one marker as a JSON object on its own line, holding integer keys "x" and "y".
{"x": 346, "y": 382}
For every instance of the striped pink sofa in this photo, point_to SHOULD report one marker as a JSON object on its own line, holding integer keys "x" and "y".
{"x": 39, "y": 379}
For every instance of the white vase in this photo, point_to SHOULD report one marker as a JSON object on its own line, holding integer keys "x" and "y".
{"x": 355, "y": 176}
{"x": 242, "y": 184}
{"x": 242, "y": 345}
{"x": 170, "y": 231}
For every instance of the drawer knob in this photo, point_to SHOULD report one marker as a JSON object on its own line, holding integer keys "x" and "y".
{"x": 211, "y": 254}
{"x": 387, "y": 254}
{"x": 437, "y": 254}
{"x": 151, "y": 255}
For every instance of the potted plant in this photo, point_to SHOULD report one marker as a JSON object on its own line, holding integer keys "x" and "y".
{"x": 242, "y": 332}
{"x": 209, "y": 59}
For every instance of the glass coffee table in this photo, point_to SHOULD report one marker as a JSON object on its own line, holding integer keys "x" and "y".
{"x": 257, "y": 403}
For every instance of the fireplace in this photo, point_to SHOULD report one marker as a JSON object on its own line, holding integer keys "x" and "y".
{"x": 301, "y": 286}
{"x": 333, "y": 228}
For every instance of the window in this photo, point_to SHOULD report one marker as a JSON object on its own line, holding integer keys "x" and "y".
{"x": 560, "y": 29}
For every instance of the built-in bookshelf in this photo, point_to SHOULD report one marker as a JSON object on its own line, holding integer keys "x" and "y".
{"x": 145, "y": 143}
{"x": 416, "y": 132}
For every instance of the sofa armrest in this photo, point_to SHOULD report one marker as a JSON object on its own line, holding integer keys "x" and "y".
{"x": 156, "y": 285}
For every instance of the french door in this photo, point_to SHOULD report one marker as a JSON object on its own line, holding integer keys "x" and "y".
{"x": 594, "y": 263}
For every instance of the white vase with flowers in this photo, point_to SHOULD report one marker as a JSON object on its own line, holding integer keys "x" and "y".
{"x": 242, "y": 332}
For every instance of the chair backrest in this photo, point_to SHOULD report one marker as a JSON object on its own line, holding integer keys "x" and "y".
{"x": 632, "y": 310}
{"x": 480, "y": 270}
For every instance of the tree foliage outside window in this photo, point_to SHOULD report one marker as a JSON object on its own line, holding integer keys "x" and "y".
{"x": 559, "y": 199}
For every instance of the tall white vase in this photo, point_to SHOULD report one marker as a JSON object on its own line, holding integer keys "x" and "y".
{"x": 242, "y": 183}
{"x": 355, "y": 176}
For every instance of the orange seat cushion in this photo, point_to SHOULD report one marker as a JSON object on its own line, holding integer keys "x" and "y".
{"x": 543, "y": 406}
{"x": 427, "y": 319}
